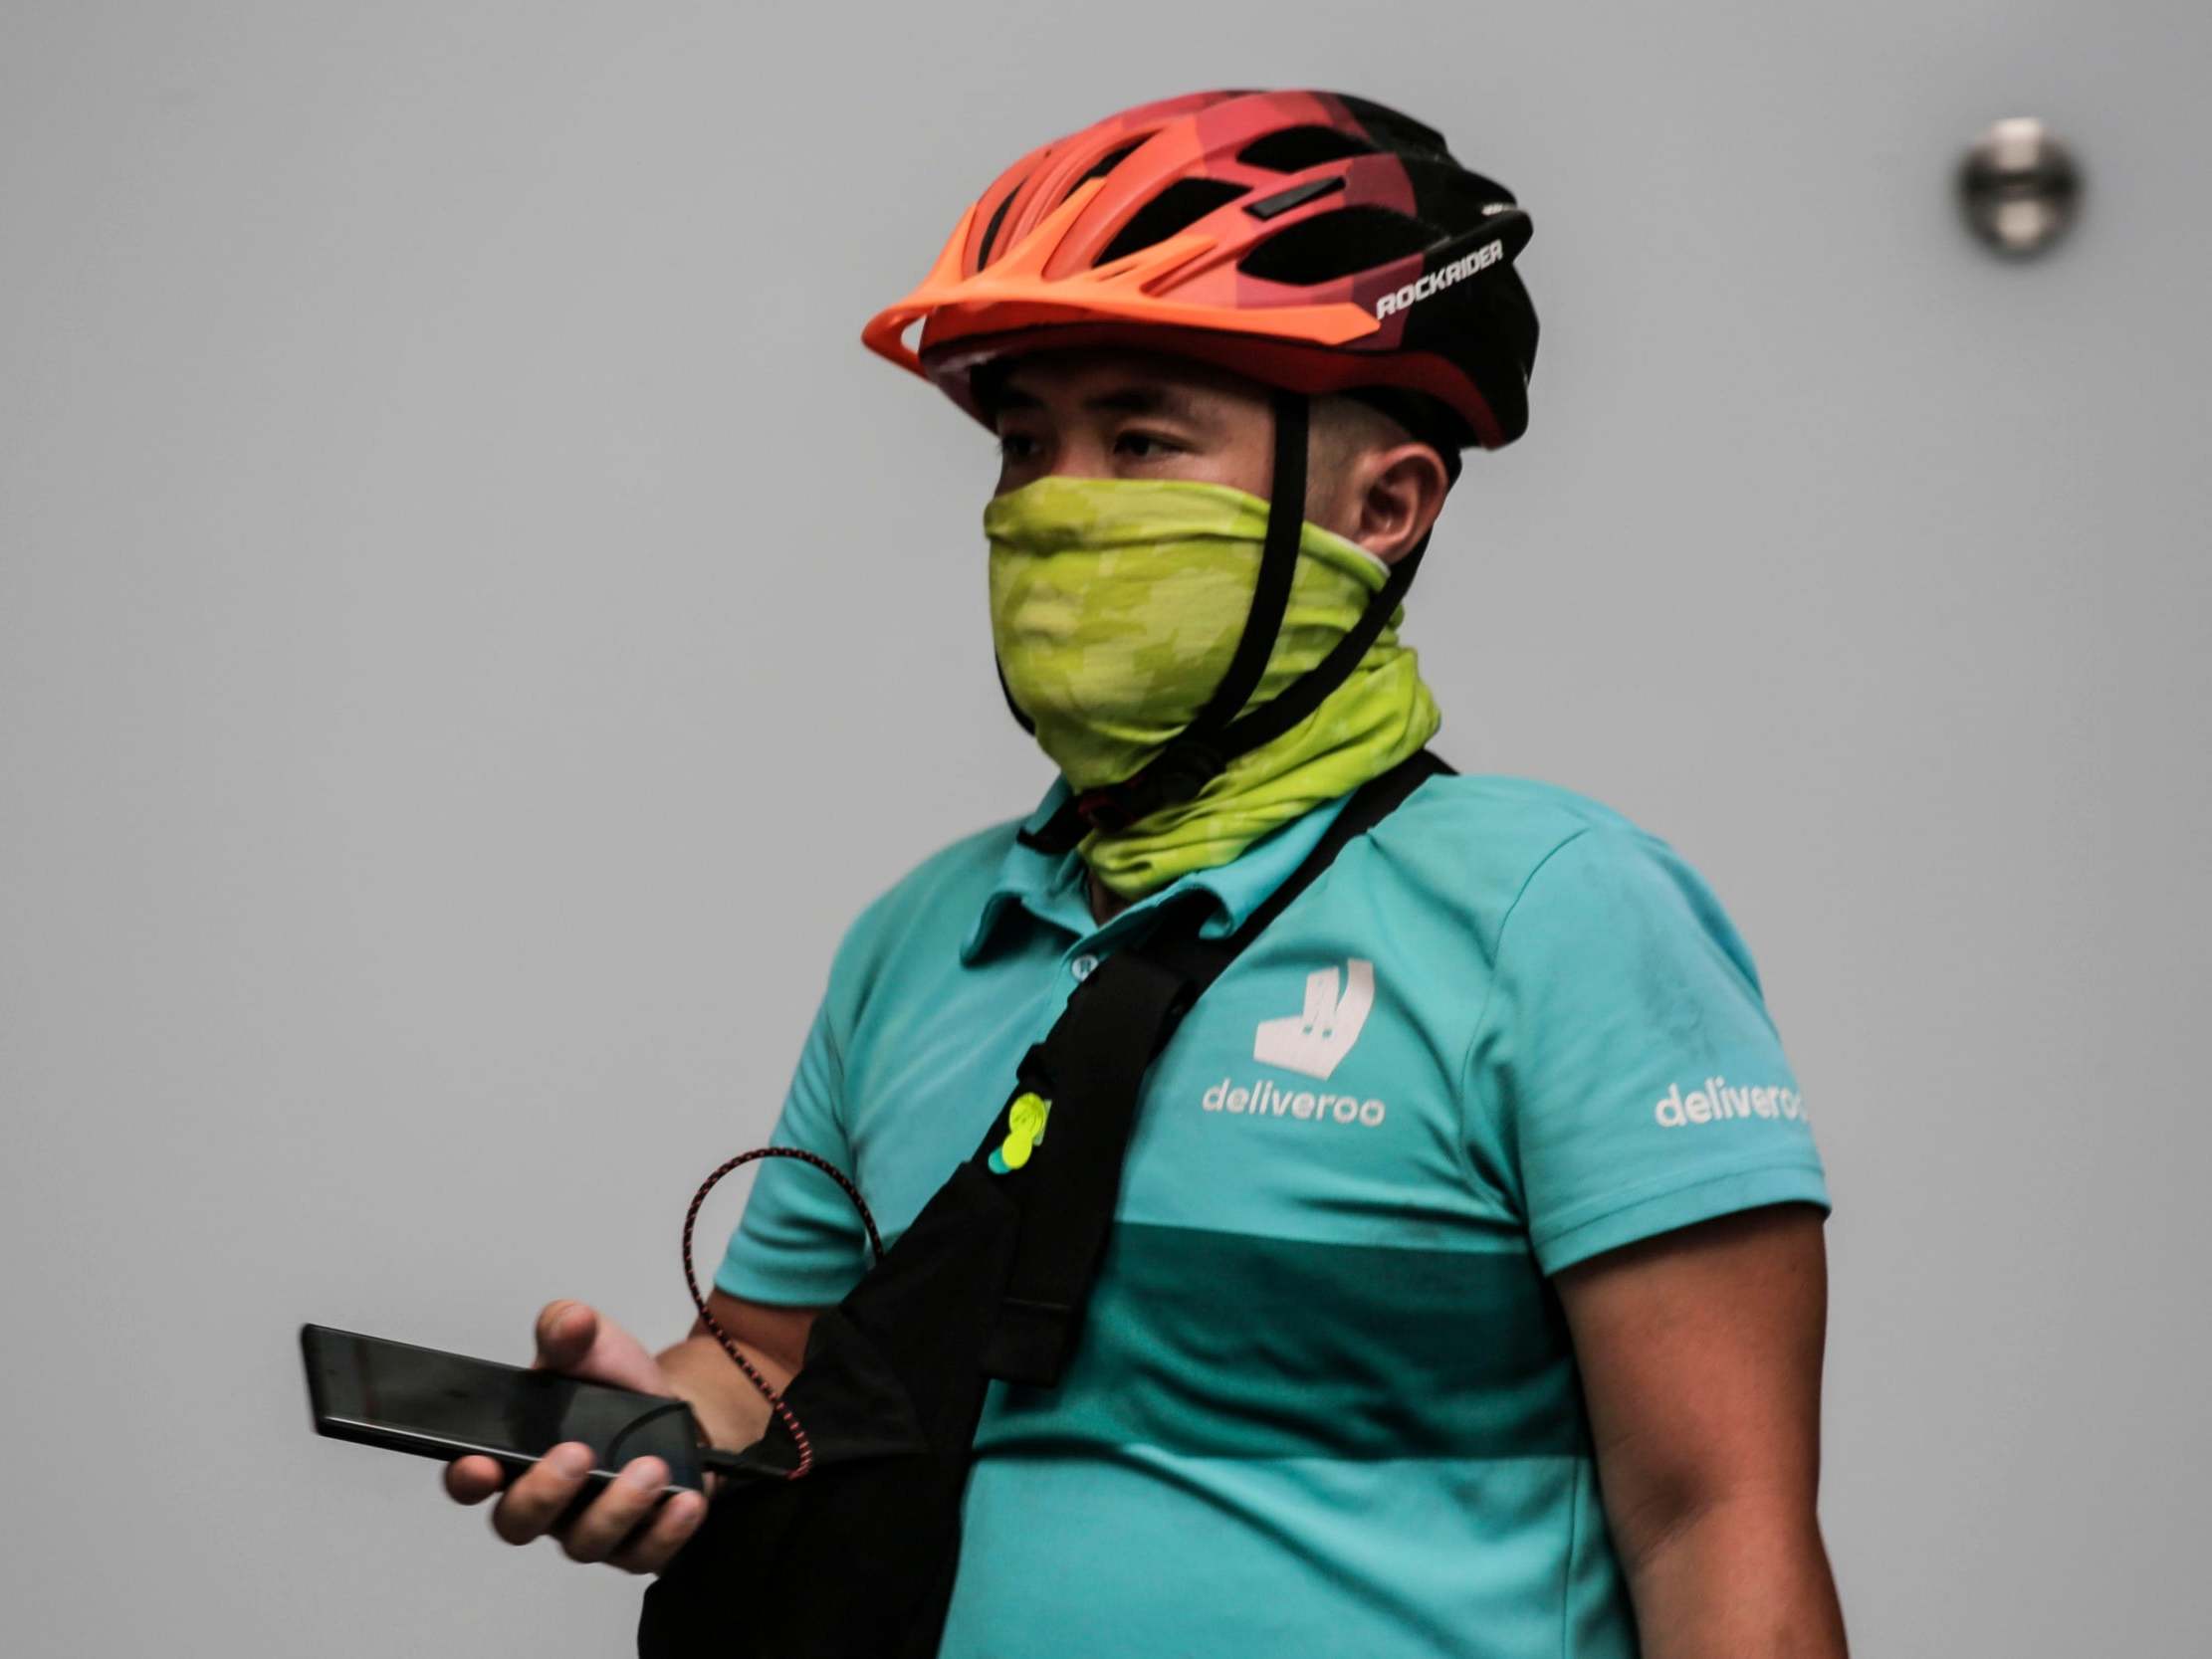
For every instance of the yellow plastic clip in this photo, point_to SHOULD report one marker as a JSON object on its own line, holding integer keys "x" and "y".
{"x": 1025, "y": 1120}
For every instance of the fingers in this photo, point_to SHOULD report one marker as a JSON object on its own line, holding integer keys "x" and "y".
{"x": 620, "y": 1526}
{"x": 628, "y": 1500}
{"x": 668, "y": 1532}
{"x": 471, "y": 1480}
{"x": 611, "y": 1516}
{"x": 535, "y": 1500}
{"x": 649, "y": 1547}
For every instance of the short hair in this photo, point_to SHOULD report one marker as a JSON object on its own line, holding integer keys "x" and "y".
{"x": 1420, "y": 418}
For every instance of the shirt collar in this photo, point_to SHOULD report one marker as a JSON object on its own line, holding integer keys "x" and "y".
{"x": 1050, "y": 887}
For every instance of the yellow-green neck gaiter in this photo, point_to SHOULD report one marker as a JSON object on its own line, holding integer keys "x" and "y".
{"x": 1116, "y": 605}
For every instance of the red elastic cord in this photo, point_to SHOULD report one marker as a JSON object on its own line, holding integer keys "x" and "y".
{"x": 753, "y": 1375}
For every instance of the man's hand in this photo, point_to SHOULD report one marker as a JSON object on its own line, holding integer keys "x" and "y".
{"x": 621, "y": 1526}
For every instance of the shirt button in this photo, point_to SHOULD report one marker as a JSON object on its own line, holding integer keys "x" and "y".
{"x": 1082, "y": 968}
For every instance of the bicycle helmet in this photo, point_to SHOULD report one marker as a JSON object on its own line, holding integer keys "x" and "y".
{"x": 1314, "y": 242}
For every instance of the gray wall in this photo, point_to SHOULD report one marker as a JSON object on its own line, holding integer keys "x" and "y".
{"x": 467, "y": 604}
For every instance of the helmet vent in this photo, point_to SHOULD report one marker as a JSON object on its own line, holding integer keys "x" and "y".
{"x": 990, "y": 230}
{"x": 1106, "y": 164}
{"x": 1283, "y": 201}
{"x": 1392, "y": 129}
{"x": 1295, "y": 148}
{"x": 1329, "y": 246}
{"x": 1177, "y": 208}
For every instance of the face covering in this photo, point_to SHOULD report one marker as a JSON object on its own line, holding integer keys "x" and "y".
{"x": 1116, "y": 605}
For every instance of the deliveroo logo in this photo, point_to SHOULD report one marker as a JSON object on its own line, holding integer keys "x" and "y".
{"x": 1316, "y": 1041}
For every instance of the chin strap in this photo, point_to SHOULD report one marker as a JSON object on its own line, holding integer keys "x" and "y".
{"x": 1199, "y": 753}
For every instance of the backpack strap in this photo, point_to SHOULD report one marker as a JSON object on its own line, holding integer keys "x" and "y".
{"x": 1091, "y": 1068}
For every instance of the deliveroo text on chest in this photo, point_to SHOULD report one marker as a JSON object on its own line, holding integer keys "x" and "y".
{"x": 1264, "y": 1099}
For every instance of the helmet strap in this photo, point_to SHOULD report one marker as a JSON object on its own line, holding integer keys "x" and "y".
{"x": 1278, "y": 564}
{"x": 1005, "y": 691}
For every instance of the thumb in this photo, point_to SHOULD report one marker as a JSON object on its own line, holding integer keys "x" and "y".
{"x": 573, "y": 1340}
{"x": 565, "y": 1331}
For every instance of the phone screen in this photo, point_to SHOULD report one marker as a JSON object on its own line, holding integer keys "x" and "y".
{"x": 440, "y": 1405}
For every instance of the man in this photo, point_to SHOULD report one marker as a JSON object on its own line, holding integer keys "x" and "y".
{"x": 1466, "y": 1292}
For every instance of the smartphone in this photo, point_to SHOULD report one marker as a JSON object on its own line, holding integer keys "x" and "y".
{"x": 445, "y": 1405}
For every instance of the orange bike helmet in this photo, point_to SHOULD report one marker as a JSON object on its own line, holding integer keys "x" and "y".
{"x": 1313, "y": 242}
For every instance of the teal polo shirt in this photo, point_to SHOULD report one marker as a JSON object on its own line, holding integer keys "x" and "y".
{"x": 1325, "y": 1401}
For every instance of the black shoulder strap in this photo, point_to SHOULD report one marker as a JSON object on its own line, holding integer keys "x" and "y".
{"x": 1090, "y": 1068}
{"x": 1200, "y": 961}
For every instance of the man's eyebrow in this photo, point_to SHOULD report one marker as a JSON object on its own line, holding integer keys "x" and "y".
{"x": 1142, "y": 400}
{"x": 1137, "y": 399}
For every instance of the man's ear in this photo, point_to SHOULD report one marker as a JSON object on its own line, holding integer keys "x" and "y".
{"x": 1400, "y": 491}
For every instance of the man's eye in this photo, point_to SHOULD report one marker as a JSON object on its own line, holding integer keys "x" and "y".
{"x": 1016, "y": 446}
{"x": 1144, "y": 446}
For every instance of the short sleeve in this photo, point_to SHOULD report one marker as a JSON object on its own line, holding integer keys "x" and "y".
{"x": 799, "y": 1240}
{"x": 1626, "y": 1079}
